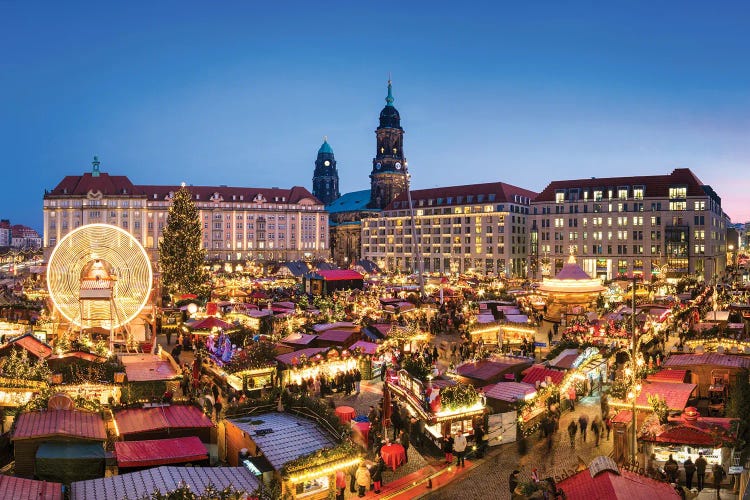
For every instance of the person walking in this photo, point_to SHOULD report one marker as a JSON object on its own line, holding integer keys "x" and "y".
{"x": 718, "y": 472}
{"x": 689, "y": 467}
{"x": 459, "y": 446}
{"x": 448, "y": 448}
{"x": 700, "y": 469}
{"x": 403, "y": 439}
{"x": 608, "y": 425}
{"x": 479, "y": 437}
{"x": 377, "y": 474}
{"x": 549, "y": 339}
{"x": 363, "y": 479}
{"x": 572, "y": 430}
{"x": 583, "y": 423}
{"x": 513, "y": 482}
{"x": 672, "y": 468}
{"x": 596, "y": 429}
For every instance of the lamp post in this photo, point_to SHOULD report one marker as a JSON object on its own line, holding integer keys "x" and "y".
{"x": 418, "y": 262}
{"x": 633, "y": 357}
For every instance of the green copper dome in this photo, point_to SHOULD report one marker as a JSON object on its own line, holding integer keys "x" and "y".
{"x": 325, "y": 147}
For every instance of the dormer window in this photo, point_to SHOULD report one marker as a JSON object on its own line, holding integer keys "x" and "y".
{"x": 638, "y": 192}
{"x": 559, "y": 196}
{"x": 622, "y": 193}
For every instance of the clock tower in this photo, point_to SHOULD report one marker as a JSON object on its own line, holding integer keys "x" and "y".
{"x": 388, "y": 176}
{"x": 326, "y": 176}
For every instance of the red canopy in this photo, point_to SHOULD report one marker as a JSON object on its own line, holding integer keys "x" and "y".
{"x": 153, "y": 452}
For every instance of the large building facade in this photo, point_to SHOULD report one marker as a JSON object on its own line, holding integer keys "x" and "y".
{"x": 239, "y": 223}
{"x": 480, "y": 228}
{"x": 647, "y": 226}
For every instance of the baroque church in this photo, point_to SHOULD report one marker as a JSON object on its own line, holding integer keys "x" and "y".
{"x": 388, "y": 179}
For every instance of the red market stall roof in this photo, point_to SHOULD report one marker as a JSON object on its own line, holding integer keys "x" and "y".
{"x": 603, "y": 479}
{"x": 60, "y": 423}
{"x": 538, "y": 373}
{"x": 367, "y": 347}
{"x": 135, "y": 420}
{"x": 153, "y": 452}
{"x": 33, "y": 345}
{"x": 298, "y": 339}
{"x": 339, "y": 274}
{"x": 487, "y": 369}
{"x": 210, "y": 323}
{"x": 701, "y": 431}
{"x": 668, "y": 376}
{"x": 509, "y": 391}
{"x": 19, "y": 488}
{"x": 287, "y": 358}
{"x": 336, "y": 336}
{"x": 710, "y": 358}
{"x": 675, "y": 394}
{"x": 164, "y": 478}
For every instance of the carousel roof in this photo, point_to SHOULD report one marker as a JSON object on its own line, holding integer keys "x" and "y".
{"x": 571, "y": 279}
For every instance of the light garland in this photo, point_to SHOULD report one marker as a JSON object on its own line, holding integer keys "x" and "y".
{"x": 324, "y": 471}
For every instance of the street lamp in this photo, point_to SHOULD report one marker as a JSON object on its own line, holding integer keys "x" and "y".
{"x": 634, "y": 386}
{"x": 418, "y": 262}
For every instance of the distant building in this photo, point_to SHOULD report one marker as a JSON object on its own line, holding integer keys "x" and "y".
{"x": 624, "y": 226}
{"x": 5, "y": 233}
{"x": 24, "y": 237}
{"x": 239, "y": 223}
{"x": 480, "y": 228}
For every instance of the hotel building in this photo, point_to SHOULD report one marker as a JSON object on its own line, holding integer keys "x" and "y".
{"x": 479, "y": 228}
{"x": 622, "y": 226}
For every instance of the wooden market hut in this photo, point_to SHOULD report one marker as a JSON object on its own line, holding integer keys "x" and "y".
{"x": 325, "y": 282}
{"x": 281, "y": 438}
{"x": 165, "y": 421}
{"x": 341, "y": 338}
{"x": 495, "y": 369}
{"x": 604, "y": 479}
{"x": 35, "y": 348}
{"x": 72, "y": 441}
{"x": 164, "y": 479}
{"x": 504, "y": 397}
{"x": 710, "y": 369}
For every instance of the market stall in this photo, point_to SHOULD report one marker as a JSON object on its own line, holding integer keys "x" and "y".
{"x": 444, "y": 406}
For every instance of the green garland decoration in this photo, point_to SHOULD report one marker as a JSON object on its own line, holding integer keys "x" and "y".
{"x": 458, "y": 396}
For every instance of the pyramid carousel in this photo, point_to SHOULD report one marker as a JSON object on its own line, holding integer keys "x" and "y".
{"x": 570, "y": 290}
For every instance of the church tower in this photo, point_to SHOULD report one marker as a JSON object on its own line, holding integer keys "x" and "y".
{"x": 326, "y": 177}
{"x": 388, "y": 176}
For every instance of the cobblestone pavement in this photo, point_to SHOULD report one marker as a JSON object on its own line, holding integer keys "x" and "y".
{"x": 489, "y": 479}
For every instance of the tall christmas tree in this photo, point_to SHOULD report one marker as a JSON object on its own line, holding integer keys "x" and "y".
{"x": 181, "y": 255}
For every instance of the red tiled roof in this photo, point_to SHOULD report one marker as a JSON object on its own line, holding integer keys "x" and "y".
{"x": 339, "y": 274}
{"x": 153, "y": 452}
{"x": 504, "y": 193}
{"x": 675, "y": 394}
{"x": 668, "y": 376}
{"x": 508, "y": 391}
{"x": 710, "y": 358}
{"x": 705, "y": 431}
{"x": 336, "y": 335}
{"x": 114, "y": 185}
{"x": 298, "y": 339}
{"x": 19, "y": 488}
{"x": 540, "y": 373}
{"x": 655, "y": 185}
{"x": 62, "y": 423}
{"x": 286, "y": 358}
{"x": 610, "y": 485}
{"x": 485, "y": 370}
{"x": 566, "y": 362}
{"x": 33, "y": 345}
{"x": 367, "y": 347}
{"x": 210, "y": 323}
{"x": 136, "y": 420}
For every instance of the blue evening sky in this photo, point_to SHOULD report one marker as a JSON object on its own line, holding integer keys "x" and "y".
{"x": 241, "y": 93}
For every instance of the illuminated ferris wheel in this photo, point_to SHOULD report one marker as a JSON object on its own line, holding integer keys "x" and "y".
{"x": 99, "y": 276}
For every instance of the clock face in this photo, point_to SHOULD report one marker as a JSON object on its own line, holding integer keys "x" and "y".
{"x": 327, "y": 163}
{"x": 377, "y": 166}
{"x": 398, "y": 165}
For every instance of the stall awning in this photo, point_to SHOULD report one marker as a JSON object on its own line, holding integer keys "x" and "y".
{"x": 153, "y": 452}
